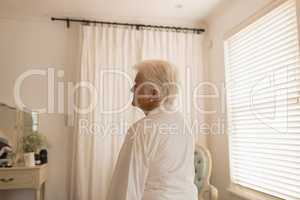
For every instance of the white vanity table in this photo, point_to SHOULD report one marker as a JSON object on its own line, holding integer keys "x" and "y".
{"x": 24, "y": 178}
{"x": 14, "y": 123}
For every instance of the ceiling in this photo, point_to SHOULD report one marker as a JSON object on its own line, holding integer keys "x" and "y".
{"x": 121, "y": 10}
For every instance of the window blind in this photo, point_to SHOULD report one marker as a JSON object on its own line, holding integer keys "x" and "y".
{"x": 263, "y": 109}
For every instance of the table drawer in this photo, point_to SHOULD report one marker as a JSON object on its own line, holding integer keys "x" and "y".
{"x": 17, "y": 179}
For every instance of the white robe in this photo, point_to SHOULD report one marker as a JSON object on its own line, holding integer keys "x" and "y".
{"x": 156, "y": 161}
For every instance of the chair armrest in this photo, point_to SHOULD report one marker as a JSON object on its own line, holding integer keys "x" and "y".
{"x": 209, "y": 191}
{"x": 213, "y": 192}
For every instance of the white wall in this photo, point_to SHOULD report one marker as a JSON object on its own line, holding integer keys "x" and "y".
{"x": 38, "y": 44}
{"x": 229, "y": 15}
{"x": 28, "y": 43}
{"x": 33, "y": 43}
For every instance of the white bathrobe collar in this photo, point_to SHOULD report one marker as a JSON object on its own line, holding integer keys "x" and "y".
{"x": 164, "y": 108}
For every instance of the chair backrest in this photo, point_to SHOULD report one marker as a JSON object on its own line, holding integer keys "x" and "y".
{"x": 203, "y": 166}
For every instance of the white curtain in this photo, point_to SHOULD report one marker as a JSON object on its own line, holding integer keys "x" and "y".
{"x": 107, "y": 56}
{"x": 185, "y": 51}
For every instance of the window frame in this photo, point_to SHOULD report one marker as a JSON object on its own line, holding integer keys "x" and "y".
{"x": 233, "y": 188}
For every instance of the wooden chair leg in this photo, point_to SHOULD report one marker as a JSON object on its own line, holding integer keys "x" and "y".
{"x": 38, "y": 194}
{"x": 213, "y": 193}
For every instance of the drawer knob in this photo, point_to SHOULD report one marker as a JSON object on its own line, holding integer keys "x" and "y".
{"x": 7, "y": 180}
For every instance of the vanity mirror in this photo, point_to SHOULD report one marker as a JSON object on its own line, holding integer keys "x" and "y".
{"x": 14, "y": 123}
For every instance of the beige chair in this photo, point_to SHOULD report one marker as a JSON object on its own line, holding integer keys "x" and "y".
{"x": 203, "y": 165}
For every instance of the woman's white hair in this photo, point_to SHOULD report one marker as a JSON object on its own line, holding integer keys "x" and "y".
{"x": 163, "y": 75}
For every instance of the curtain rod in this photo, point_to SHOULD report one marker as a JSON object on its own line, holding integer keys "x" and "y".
{"x": 138, "y": 26}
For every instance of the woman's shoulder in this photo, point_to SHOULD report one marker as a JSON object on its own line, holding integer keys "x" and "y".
{"x": 143, "y": 122}
{"x": 161, "y": 119}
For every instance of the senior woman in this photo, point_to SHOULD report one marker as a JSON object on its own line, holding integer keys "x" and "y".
{"x": 156, "y": 160}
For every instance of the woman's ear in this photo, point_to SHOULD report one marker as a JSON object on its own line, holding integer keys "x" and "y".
{"x": 155, "y": 94}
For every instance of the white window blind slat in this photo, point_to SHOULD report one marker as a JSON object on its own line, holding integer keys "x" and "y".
{"x": 277, "y": 175}
{"x": 270, "y": 131}
{"x": 271, "y": 192}
{"x": 258, "y": 63}
{"x": 279, "y": 36}
{"x": 278, "y": 31}
{"x": 269, "y": 141}
{"x": 271, "y": 66}
{"x": 267, "y": 136}
{"x": 263, "y": 104}
{"x": 285, "y": 147}
{"x": 251, "y": 120}
{"x": 266, "y": 107}
{"x": 270, "y": 184}
{"x": 271, "y": 17}
{"x": 292, "y": 67}
{"x": 256, "y": 99}
{"x": 267, "y": 62}
{"x": 285, "y": 165}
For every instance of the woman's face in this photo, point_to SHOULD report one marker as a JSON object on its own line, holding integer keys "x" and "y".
{"x": 145, "y": 94}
